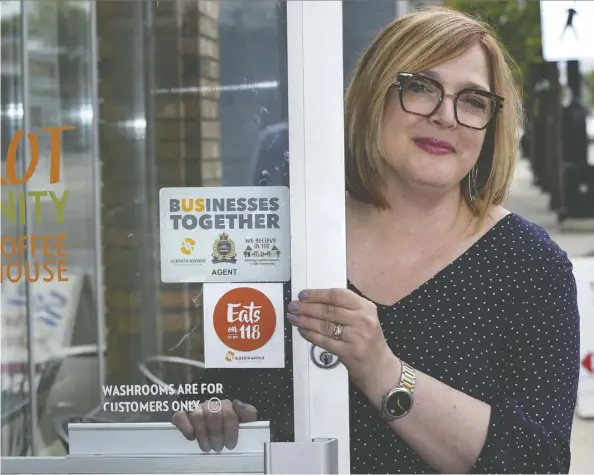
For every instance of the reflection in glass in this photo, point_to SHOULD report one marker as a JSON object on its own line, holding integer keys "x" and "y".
{"x": 183, "y": 105}
{"x": 57, "y": 268}
{"x": 16, "y": 427}
{"x": 201, "y": 102}
{"x": 60, "y": 94}
{"x": 214, "y": 96}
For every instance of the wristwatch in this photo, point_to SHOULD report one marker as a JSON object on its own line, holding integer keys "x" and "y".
{"x": 398, "y": 402}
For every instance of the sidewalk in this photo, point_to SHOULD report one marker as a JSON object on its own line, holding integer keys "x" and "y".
{"x": 577, "y": 239}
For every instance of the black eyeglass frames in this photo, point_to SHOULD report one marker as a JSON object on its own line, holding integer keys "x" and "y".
{"x": 422, "y": 95}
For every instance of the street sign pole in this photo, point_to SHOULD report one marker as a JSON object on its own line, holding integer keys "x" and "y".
{"x": 568, "y": 36}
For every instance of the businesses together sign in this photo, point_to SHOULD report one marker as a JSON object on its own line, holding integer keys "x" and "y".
{"x": 225, "y": 234}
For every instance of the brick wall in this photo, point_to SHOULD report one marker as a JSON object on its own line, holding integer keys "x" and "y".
{"x": 173, "y": 88}
{"x": 208, "y": 48}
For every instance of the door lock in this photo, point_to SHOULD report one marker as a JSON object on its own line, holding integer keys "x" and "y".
{"x": 323, "y": 359}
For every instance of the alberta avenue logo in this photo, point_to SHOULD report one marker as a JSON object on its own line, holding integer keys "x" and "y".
{"x": 187, "y": 248}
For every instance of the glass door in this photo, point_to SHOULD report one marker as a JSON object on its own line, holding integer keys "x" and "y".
{"x": 158, "y": 95}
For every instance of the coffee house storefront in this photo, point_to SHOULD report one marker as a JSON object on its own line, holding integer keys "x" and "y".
{"x": 176, "y": 166}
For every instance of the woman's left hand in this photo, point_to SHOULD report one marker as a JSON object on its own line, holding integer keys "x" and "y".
{"x": 346, "y": 325}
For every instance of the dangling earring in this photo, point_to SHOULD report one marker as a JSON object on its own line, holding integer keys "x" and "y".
{"x": 472, "y": 188}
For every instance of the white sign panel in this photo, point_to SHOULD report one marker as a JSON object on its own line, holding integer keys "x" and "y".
{"x": 244, "y": 326}
{"x": 583, "y": 270}
{"x": 567, "y": 31}
{"x": 225, "y": 234}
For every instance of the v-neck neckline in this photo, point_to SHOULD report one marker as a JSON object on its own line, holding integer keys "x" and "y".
{"x": 439, "y": 274}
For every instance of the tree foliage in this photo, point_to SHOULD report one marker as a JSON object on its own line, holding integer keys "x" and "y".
{"x": 57, "y": 29}
{"x": 517, "y": 26}
{"x": 56, "y": 23}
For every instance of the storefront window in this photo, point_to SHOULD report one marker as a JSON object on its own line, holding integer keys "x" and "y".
{"x": 48, "y": 229}
{"x": 147, "y": 95}
{"x": 16, "y": 424}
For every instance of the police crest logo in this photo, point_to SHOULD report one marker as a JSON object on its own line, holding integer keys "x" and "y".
{"x": 223, "y": 250}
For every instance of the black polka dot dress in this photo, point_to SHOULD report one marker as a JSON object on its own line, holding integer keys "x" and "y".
{"x": 500, "y": 323}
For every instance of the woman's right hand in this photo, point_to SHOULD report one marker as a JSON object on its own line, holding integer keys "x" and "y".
{"x": 215, "y": 430}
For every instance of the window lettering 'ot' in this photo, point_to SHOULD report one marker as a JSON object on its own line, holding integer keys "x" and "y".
{"x": 55, "y": 154}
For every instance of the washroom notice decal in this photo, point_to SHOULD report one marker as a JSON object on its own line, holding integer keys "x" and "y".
{"x": 225, "y": 234}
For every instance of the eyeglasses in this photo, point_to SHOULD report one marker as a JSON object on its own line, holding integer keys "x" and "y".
{"x": 422, "y": 95}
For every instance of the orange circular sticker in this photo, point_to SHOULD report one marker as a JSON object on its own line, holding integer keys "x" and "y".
{"x": 244, "y": 319}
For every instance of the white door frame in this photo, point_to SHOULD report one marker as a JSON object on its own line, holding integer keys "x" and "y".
{"x": 318, "y": 235}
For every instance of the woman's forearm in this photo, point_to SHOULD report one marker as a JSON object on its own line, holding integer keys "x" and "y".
{"x": 446, "y": 428}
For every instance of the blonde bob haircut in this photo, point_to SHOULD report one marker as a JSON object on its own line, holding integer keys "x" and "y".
{"x": 416, "y": 42}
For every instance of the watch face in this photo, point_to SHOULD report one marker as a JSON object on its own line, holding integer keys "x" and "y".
{"x": 398, "y": 403}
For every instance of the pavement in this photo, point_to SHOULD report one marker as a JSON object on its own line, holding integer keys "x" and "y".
{"x": 576, "y": 237}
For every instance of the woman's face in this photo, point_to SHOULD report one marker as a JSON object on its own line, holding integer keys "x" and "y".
{"x": 436, "y": 152}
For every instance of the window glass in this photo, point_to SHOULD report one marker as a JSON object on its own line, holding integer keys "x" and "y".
{"x": 16, "y": 430}
{"x": 148, "y": 95}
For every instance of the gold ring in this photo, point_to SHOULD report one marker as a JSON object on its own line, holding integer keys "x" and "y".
{"x": 337, "y": 332}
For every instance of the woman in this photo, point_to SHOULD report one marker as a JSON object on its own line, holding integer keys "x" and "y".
{"x": 459, "y": 327}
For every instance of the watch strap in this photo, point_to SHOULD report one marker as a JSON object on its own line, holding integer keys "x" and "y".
{"x": 408, "y": 377}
